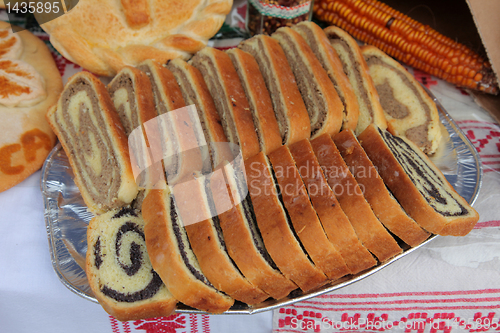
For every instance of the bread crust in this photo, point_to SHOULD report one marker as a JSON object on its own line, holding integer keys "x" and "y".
{"x": 27, "y": 138}
{"x": 326, "y": 54}
{"x": 206, "y": 108}
{"x": 408, "y": 195}
{"x": 372, "y": 97}
{"x": 302, "y": 214}
{"x": 333, "y": 220}
{"x": 294, "y": 108}
{"x": 169, "y": 88}
{"x": 350, "y": 196}
{"x": 232, "y": 95}
{"x": 128, "y": 189}
{"x": 122, "y": 311}
{"x": 214, "y": 261}
{"x": 383, "y": 204}
{"x": 279, "y": 239}
{"x": 145, "y": 111}
{"x": 241, "y": 247}
{"x": 167, "y": 262}
{"x": 160, "y": 30}
{"x": 323, "y": 87}
{"x": 259, "y": 100}
{"x": 399, "y": 127}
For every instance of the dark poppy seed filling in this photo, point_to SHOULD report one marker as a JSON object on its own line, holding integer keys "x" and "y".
{"x": 146, "y": 293}
{"x": 428, "y": 183}
{"x": 254, "y": 230}
{"x": 126, "y": 211}
{"x": 120, "y": 259}
{"x": 288, "y": 219}
{"x": 184, "y": 246}
{"x": 97, "y": 253}
{"x": 213, "y": 213}
{"x": 135, "y": 249}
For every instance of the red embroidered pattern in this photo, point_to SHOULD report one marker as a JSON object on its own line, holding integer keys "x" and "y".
{"x": 485, "y": 136}
{"x": 426, "y": 79}
{"x": 162, "y": 324}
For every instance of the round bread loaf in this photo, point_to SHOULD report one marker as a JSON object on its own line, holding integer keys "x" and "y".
{"x": 29, "y": 84}
{"x": 103, "y": 36}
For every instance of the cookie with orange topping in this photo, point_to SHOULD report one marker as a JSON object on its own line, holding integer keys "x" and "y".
{"x": 29, "y": 84}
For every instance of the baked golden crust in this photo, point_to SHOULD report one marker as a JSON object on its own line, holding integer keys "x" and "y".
{"x": 370, "y": 231}
{"x": 195, "y": 91}
{"x": 290, "y": 111}
{"x": 409, "y": 110}
{"x": 300, "y": 209}
{"x": 26, "y": 138}
{"x": 229, "y": 97}
{"x": 166, "y": 258}
{"x": 336, "y": 224}
{"x": 407, "y": 193}
{"x": 101, "y": 235}
{"x": 326, "y": 54}
{"x": 135, "y": 31}
{"x": 210, "y": 252}
{"x": 243, "y": 241}
{"x": 370, "y": 110}
{"x": 385, "y": 207}
{"x": 318, "y": 93}
{"x": 280, "y": 242}
{"x": 127, "y": 188}
{"x": 259, "y": 100}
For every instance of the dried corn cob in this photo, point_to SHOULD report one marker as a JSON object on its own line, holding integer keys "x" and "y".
{"x": 409, "y": 41}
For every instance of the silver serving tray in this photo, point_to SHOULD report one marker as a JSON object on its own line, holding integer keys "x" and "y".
{"x": 67, "y": 218}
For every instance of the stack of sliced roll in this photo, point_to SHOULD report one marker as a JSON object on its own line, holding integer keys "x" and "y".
{"x": 333, "y": 177}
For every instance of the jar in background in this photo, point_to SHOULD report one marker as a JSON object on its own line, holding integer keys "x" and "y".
{"x": 266, "y": 16}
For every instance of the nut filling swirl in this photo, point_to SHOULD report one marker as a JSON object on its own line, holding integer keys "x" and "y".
{"x": 89, "y": 143}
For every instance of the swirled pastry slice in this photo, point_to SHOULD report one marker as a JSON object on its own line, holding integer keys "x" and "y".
{"x": 229, "y": 97}
{"x": 356, "y": 69}
{"x": 241, "y": 235}
{"x": 290, "y": 110}
{"x": 327, "y": 56}
{"x": 418, "y": 185}
{"x": 208, "y": 244}
{"x": 370, "y": 231}
{"x": 383, "y": 204}
{"x": 409, "y": 111}
{"x": 195, "y": 91}
{"x": 119, "y": 270}
{"x": 132, "y": 96}
{"x": 276, "y": 229}
{"x": 304, "y": 218}
{"x": 334, "y": 221}
{"x": 177, "y": 129}
{"x": 173, "y": 258}
{"x": 91, "y": 133}
{"x": 259, "y": 100}
{"x": 322, "y": 101}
